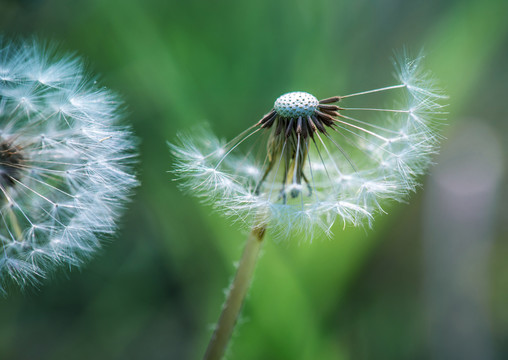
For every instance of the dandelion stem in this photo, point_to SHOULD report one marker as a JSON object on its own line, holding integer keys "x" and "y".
{"x": 237, "y": 291}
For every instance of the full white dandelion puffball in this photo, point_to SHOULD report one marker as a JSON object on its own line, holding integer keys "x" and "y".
{"x": 319, "y": 160}
{"x": 65, "y": 164}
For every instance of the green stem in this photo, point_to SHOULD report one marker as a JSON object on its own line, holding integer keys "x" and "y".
{"x": 234, "y": 301}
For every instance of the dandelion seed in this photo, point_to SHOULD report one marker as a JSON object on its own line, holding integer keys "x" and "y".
{"x": 65, "y": 164}
{"x": 322, "y": 160}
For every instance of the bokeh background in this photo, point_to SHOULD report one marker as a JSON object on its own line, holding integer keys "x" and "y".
{"x": 429, "y": 281}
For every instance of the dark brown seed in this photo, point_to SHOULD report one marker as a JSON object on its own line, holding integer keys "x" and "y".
{"x": 269, "y": 123}
{"x": 267, "y": 117}
{"x": 305, "y": 129}
{"x": 268, "y": 120}
{"x": 289, "y": 128}
{"x": 328, "y": 107}
{"x": 311, "y": 124}
{"x": 330, "y": 100}
{"x": 331, "y": 113}
{"x": 318, "y": 124}
{"x": 325, "y": 118}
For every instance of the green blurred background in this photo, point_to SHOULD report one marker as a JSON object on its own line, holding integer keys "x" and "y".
{"x": 430, "y": 281}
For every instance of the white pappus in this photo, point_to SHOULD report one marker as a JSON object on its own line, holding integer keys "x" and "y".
{"x": 308, "y": 162}
{"x": 65, "y": 162}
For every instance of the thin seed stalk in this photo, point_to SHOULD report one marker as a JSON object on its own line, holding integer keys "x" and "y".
{"x": 14, "y": 222}
{"x": 237, "y": 292}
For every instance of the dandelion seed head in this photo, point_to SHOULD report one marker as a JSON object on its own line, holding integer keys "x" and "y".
{"x": 65, "y": 163}
{"x": 295, "y": 104}
{"x": 321, "y": 161}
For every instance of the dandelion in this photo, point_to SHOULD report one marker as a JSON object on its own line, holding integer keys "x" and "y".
{"x": 320, "y": 160}
{"x": 65, "y": 164}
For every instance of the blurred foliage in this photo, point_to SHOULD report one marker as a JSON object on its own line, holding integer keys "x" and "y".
{"x": 155, "y": 291}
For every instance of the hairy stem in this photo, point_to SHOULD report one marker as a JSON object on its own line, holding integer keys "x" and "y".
{"x": 234, "y": 301}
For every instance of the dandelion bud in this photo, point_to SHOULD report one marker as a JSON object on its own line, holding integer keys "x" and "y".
{"x": 65, "y": 164}
{"x": 321, "y": 161}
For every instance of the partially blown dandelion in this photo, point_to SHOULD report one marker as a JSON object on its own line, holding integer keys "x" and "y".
{"x": 65, "y": 166}
{"x": 321, "y": 161}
